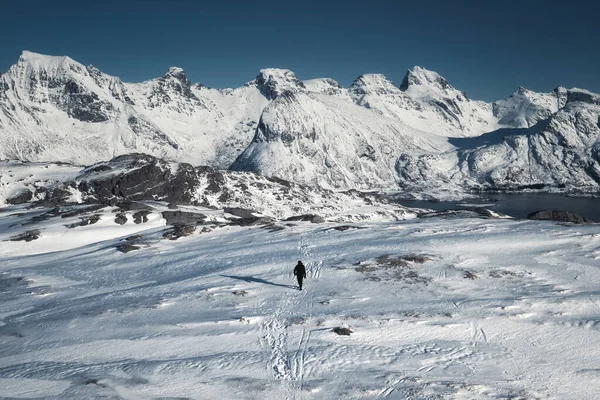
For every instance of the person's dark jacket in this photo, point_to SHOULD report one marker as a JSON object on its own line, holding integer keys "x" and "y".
{"x": 300, "y": 271}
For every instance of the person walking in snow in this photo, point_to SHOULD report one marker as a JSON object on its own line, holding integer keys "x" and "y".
{"x": 300, "y": 273}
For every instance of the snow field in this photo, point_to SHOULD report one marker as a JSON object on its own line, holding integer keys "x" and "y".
{"x": 492, "y": 309}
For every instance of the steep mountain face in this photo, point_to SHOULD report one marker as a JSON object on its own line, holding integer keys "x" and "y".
{"x": 53, "y": 108}
{"x": 323, "y": 140}
{"x": 424, "y": 101}
{"x": 561, "y": 151}
{"x": 525, "y": 108}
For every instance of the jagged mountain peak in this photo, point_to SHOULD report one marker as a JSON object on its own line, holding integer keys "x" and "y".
{"x": 37, "y": 59}
{"x": 177, "y": 73}
{"x": 371, "y": 82}
{"x": 582, "y": 95}
{"x": 521, "y": 91}
{"x": 34, "y": 63}
{"x": 524, "y": 108}
{"x": 274, "y": 81}
{"x": 419, "y": 76}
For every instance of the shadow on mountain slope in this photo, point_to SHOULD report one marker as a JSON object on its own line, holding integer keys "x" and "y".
{"x": 497, "y": 136}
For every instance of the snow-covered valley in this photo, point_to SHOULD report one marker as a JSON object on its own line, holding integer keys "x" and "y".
{"x": 448, "y": 308}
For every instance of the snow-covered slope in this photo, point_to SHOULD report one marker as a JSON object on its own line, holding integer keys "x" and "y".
{"x": 525, "y": 108}
{"x": 55, "y": 109}
{"x": 449, "y": 111}
{"x": 432, "y": 308}
{"x": 562, "y": 151}
{"x": 323, "y": 140}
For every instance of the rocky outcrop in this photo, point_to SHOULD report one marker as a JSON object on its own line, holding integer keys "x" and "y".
{"x": 128, "y": 183}
{"x": 22, "y": 196}
{"x": 138, "y": 177}
{"x": 183, "y": 218}
{"x": 557, "y": 215}
{"x": 272, "y": 82}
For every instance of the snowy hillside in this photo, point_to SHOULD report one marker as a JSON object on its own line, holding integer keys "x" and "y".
{"x": 110, "y": 307}
{"x": 561, "y": 151}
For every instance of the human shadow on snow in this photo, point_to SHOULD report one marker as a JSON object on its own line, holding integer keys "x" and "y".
{"x": 258, "y": 280}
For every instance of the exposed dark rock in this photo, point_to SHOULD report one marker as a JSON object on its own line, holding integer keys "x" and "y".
{"x": 270, "y": 87}
{"x": 216, "y": 181}
{"x": 82, "y": 105}
{"x": 127, "y": 247}
{"x": 183, "y": 218}
{"x": 273, "y": 227}
{"x": 146, "y": 129}
{"x": 120, "y": 219}
{"x": 416, "y": 258}
{"x": 316, "y": 219}
{"x": 342, "y": 331}
{"x": 582, "y": 96}
{"x": 85, "y": 221}
{"x": 79, "y": 211}
{"x": 141, "y": 216}
{"x": 179, "y": 231}
{"x": 42, "y": 217}
{"x": 100, "y": 168}
{"x": 23, "y": 196}
{"x": 251, "y": 221}
{"x": 144, "y": 178}
{"x": 133, "y": 206}
{"x": 400, "y": 268}
{"x": 240, "y": 212}
{"x": 343, "y": 228}
{"x": 26, "y": 236}
{"x": 280, "y": 181}
{"x": 54, "y": 196}
{"x": 557, "y": 215}
{"x": 470, "y": 275}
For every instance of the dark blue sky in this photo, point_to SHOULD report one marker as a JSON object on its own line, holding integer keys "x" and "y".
{"x": 486, "y": 48}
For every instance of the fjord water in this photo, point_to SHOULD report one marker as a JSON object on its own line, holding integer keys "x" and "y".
{"x": 519, "y": 205}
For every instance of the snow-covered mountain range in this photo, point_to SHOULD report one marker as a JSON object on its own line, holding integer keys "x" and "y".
{"x": 422, "y": 134}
